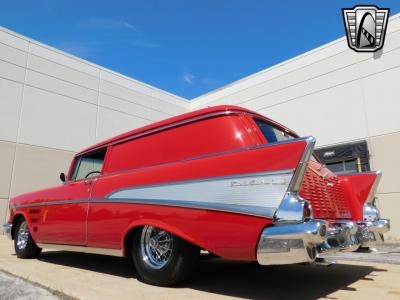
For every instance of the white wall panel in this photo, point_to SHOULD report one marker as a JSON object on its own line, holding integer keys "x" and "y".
{"x": 63, "y": 58}
{"x": 332, "y": 116}
{"x": 58, "y": 86}
{"x": 125, "y": 93}
{"x": 392, "y": 41}
{"x": 254, "y": 93}
{"x": 11, "y": 71}
{"x": 381, "y": 92}
{"x": 388, "y": 60}
{"x": 131, "y": 108}
{"x": 126, "y": 82}
{"x": 277, "y": 113}
{"x": 13, "y": 55}
{"x": 56, "y": 121}
{"x": 13, "y": 39}
{"x": 168, "y": 107}
{"x": 10, "y": 104}
{"x": 111, "y": 123}
{"x": 63, "y": 72}
{"x": 170, "y": 98}
{"x": 307, "y": 87}
{"x": 328, "y": 65}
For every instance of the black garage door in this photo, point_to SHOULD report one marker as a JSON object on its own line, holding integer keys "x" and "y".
{"x": 345, "y": 158}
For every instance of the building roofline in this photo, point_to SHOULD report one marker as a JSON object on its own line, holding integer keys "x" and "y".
{"x": 89, "y": 63}
{"x": 202, "y": 99}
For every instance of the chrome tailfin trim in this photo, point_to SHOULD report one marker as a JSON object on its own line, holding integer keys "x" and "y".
{"x": 291, "y": 209}
{"x": 372, "y": 191}
{"x": 301, "y": 169}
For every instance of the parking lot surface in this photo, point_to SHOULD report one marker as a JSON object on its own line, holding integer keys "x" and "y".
{"x": 86, "y": 276}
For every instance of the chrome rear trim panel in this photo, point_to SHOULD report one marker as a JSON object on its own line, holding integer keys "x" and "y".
{"x": 305, "y": 242}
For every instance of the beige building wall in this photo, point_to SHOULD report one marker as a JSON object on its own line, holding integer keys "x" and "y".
{"x": 338, "y": 96}
{"x": 53, "y": 104}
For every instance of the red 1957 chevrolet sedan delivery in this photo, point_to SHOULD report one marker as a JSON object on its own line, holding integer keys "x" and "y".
{"x": 222, "y": 179}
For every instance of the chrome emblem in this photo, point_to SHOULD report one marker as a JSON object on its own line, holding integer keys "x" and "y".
{"x": 365, "y": 27}
{"x": 259, "y": 181}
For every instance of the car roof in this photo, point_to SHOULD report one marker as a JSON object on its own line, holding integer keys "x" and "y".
{"x": 178, "y": 120}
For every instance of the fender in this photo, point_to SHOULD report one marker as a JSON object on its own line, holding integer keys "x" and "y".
{"x": 156, "y": 223}
{"x": 13, "y": 218}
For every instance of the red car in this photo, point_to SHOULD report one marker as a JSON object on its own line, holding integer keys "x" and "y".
{"x": 223, "y": 179}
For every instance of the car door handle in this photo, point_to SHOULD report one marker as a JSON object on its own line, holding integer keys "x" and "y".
{"x": 90, "y": 181}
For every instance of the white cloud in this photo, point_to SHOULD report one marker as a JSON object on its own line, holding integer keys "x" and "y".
{"x": 188, "y": 77}
{"x": 128, "y": 25}
{"x": 82, "y": 50}
{"x": 107, "y": 23}
{"x": 142, "y": 43}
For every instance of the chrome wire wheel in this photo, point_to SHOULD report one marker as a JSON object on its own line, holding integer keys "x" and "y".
{"x": 22, "y": 236}
{"x": 156, "y": 246}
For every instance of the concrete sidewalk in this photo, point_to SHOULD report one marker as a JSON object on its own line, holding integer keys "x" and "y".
{"x": 86, "y": 276}
{"x": 15, "y": 288}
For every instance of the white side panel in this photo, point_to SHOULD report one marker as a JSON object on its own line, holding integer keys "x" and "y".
{"x": 258, "y": 193}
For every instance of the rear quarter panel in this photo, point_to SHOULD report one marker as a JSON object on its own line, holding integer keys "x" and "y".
{"x": 231, "y": 235}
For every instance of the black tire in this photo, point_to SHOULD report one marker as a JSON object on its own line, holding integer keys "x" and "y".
{"x": 182, "y": 259}
{"x": 24, "y": 245}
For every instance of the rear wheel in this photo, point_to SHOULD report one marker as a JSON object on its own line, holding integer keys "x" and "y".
{"x": 24, "y": 245}
{"x": 161, "y": 258}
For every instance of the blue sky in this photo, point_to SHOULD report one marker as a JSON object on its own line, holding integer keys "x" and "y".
{"x": 185, "y": 47}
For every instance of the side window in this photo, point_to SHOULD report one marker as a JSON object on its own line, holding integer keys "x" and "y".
{"x": 88, "y": 165}
{"x": 271, "y": 133}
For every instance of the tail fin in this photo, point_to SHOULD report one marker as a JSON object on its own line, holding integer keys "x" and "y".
{"x": 360, "y": 190}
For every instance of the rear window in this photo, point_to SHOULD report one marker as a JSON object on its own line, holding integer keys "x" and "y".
{"x": 271, "y": 133}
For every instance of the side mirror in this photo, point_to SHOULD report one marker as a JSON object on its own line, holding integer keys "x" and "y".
{"x": 62, "y": 177}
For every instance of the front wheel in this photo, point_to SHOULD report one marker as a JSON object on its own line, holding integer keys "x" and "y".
{"x": 161, "y": 258}
{"x": 24, "y": 245}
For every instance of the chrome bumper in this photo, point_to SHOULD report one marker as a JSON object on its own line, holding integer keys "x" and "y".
{"x": 304, "y": 242}
{"x": 7, "y": 227}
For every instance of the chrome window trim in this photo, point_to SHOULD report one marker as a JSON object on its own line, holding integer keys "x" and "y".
{"x": 168, "y": 126}
{"x": 180, "y": 123}
{"x": 84, "y": 249}
{"x": 212, "y": 154}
